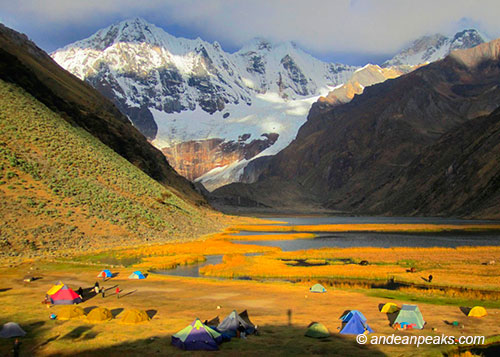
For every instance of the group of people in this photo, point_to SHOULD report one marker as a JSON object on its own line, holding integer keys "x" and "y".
{"x": 98, "y": 290}
{"x": 101, "y": 290}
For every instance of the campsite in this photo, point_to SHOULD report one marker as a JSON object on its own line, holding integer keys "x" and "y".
{"x": 156, "y": 313}
{"x": 249, "y": 178}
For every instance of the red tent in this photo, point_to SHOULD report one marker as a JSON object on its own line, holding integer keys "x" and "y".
{"x": 65, "y": 296}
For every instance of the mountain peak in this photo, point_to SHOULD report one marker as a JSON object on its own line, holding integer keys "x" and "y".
{"x": 467, "y": 38}
{"x": 133, "y": 30}
{"x": 431, "y": 48}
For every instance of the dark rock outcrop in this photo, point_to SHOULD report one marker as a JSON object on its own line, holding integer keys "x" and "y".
{"x": 351, "y": 157}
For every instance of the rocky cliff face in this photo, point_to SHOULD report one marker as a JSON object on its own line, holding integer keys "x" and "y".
{"x": 346, "y": 154}
{"x": 195, "y": 158}
{"x": 178, "y": 90}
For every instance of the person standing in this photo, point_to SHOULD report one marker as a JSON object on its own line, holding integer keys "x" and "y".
{"x": 96, "y": 288}
{"x": 117, "y": 292}
{"x": 430, "y": 278}
{"x": 102, "y": 291}
{"x": 16, "y": 348}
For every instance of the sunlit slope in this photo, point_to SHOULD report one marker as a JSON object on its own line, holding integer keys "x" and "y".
{"x": 62, "y": 189}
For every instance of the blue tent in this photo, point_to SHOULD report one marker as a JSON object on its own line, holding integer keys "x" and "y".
{"x": 356, "y": 326}
{"x": 105, "y": 274}
{"x": 347, "y": 317}
{"x": 197, "y": 336}
{"x": 136, "y": 275}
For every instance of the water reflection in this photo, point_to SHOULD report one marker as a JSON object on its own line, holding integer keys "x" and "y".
{"x": 381, "y": 240}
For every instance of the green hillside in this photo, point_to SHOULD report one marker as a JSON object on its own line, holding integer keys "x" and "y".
{"x": 62, "y": 189}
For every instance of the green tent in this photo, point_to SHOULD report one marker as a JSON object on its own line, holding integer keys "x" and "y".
{"x": 317, "y": 330}
{"x": 410, "y": 315}
{"x": 318, "y": 288}
{"x": 197, "y": 336}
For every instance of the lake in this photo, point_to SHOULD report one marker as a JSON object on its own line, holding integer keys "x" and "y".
{"x": 360, "y": 239}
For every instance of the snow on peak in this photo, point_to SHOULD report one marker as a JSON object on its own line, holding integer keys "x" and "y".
{"x": 435, "y": 47}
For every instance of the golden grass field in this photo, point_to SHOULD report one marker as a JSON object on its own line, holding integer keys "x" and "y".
{"x": 177, "y": 301}
{"x": 454, "y": 267}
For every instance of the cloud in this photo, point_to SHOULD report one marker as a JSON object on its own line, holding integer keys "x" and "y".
{"x": 369, "y": 27}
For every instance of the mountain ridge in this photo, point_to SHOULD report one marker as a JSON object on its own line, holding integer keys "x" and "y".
{"x": 346, "y": 154}
{"x": 184, "y": 95}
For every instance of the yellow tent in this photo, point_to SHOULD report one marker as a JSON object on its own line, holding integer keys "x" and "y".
{"x": 68, "y": 312}
{"x": 99, "y": 314}
{"x": 477, "y": 311}
{"x": 134, "y": 316}
{"x": 55, "y": 288}
{"x": 389, "y": 308}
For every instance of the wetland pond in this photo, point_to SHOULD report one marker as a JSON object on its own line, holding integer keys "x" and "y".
{"x": 359, "y": 239}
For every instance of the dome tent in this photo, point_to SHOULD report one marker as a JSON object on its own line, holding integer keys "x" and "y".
{"x": 134, "y": 316}
{"x": 350, "y": 314}
{"x": 477, "y": 311}
{"x": 55, "y": 288}
{"x": 355, "y": 326}
{"x": 318, "y": 288}
{"x": 410, "y": 315}
{"x": 69, "y": 312}
{"x": 197, "y": 336}
{"x": 65, "y": 296}
{"x": 234, "y": 322}
{"x": 389, "y": 308}
{"x": 136, "y": 275}
{"x": 12, "y": 329}
{"x": 317, "y": 330}
{"x": 99, "y": 314}
{"x": 105, "y": 274}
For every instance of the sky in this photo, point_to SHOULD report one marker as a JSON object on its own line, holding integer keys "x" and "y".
{"x": 346, "y": 31}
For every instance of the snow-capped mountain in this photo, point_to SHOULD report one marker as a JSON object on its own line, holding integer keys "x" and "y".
{"x": 432, "y": 48}
{"x": 209, "y": 111}
{"x": 178, "y": 90}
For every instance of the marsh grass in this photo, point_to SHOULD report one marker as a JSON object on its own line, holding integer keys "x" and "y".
{"x": 460, "y": 272}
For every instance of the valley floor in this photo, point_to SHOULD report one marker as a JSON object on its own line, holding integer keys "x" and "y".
{"x": 175, "y": 302}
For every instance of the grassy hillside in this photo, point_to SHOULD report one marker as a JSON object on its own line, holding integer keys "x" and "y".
{"x": 62, "y": 189}
{"x": 23, "y": 63}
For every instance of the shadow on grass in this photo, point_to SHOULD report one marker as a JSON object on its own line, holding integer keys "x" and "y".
{"x": 88, "y": 309}
{"x": 465, "y": 310}
{"x": 47, "y": 341}
{"x": 88, "y": 293}
{"x": 77, "y": 332}
{"x": 116, "y": 312}
{"x": 273, "y": 341}
{"x": 127, "y": 294}
{"x": 391, "y": 316}
{"x": 151, "y": 313}
{"x": 5, "y": 289}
